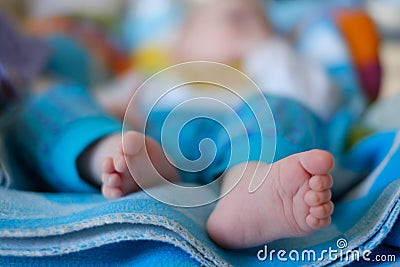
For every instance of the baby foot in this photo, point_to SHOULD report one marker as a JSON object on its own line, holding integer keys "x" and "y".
{"x": 137, "y": 158}
{"x": 293, "y": 201}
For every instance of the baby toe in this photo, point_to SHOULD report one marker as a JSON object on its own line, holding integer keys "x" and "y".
{"x": 314, "y": 198}
{"x": 322, "y": 211}
{"x": 120, "y": 164}
{"x": 112, "y": 180}
{"x": 108, "y": 165}
{"x": 316, "y": 223}
{"x": 111, "y": 192}
{"x": 321, "y": 182}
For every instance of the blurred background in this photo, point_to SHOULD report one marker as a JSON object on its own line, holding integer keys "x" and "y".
{"x": 113, "y": 30}
{"x": 93, "y": 42}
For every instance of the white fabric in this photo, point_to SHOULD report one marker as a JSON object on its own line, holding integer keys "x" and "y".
{"x": 278, "y": 70}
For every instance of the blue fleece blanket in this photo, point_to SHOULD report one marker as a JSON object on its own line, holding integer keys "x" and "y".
{"x": 86, "y": 229}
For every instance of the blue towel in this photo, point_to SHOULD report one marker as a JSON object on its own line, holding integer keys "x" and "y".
{"x": 86, "y": 229}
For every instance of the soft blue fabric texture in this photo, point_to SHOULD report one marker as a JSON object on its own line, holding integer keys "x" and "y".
{"x": 75, "y": 229}
{"x": 268, "y": 140}
{"x": 289, "y": 117}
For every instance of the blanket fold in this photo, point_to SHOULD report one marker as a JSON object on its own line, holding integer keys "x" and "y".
{"x": 66, "y": 228}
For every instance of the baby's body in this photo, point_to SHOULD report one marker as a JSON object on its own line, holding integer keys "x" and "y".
{"x": 295, "y": 198}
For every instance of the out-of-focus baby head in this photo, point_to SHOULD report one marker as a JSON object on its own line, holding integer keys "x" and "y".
{"x": 221, "y": 31}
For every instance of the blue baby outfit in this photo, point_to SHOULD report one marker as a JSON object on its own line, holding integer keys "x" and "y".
{"x": 57, "y": 126}
{"x": 297, "y": 130}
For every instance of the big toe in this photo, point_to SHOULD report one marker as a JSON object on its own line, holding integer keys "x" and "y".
{"x": 133, "y": 142}
{"x": 316, "y": 161}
